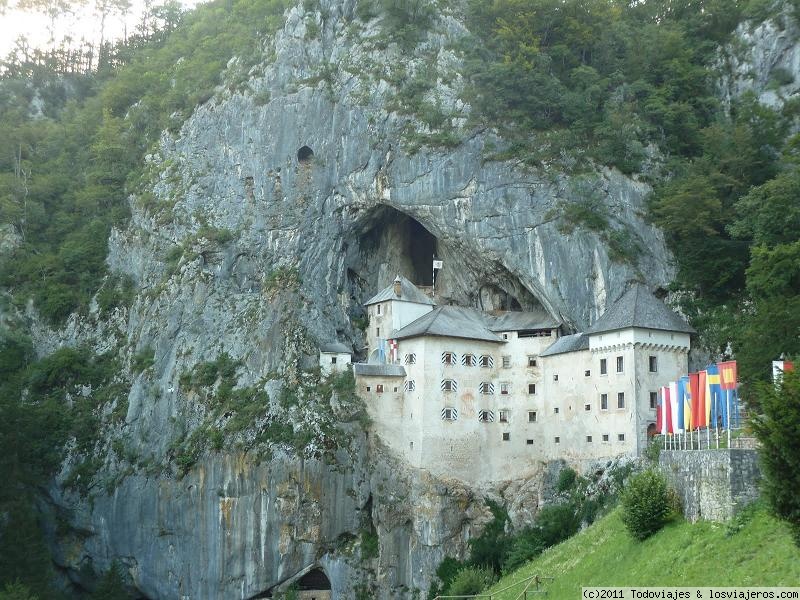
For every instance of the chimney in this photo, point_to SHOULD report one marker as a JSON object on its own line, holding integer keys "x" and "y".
{"x": 397, "y": 286}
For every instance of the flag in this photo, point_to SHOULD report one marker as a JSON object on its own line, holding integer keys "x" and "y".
{"x": 727, "y": 373}
{"x": 392, "y": 350}
{"x": 673, "y": 407}
{"x": 702, "y": 402}
{"x": 687, "y": 403}
{"x": 659, "y": 412}
{"x": 437, "y": 264}
{"x": 779, "y": 367}
{"x": 714, "y": 395}
{"x": 697, "y": 411}
{"x": 666, "y": 411}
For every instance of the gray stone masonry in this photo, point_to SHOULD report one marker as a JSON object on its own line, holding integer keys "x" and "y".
{"x": 712, "y": 484}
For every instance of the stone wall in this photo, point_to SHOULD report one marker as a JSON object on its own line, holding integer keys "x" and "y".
{"x": 712, "y": 484}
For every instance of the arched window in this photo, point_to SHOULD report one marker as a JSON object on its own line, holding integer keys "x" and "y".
{"x": 305, "y": 154}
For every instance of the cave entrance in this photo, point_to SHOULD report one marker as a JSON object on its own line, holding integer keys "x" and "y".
{"x": 314, "y": 585}
{"x": 390, "y": 243}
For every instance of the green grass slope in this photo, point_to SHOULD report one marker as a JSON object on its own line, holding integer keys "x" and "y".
{"x": 759, "y": 553}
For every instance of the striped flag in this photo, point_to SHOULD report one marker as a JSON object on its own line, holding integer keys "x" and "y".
{"x": 714, "y": 395}
{"x": 392, "y": 350}
{"x": 673, "y": 407}
{"x": 665, "y": 414}
{"x": 728, "y": 384}
{"x": 687, "y": 403}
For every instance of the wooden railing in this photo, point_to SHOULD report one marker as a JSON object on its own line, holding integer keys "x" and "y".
{"x": 533, "y": 580}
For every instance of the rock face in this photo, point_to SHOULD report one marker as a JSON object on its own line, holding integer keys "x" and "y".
{"x": 272, "y": 216}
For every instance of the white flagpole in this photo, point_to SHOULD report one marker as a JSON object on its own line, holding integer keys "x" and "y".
{"x": 728, "y": 400}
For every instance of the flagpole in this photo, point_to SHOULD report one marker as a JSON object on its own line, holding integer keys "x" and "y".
{"x": 728, "y": 400}
{"x": 433, "y": 276}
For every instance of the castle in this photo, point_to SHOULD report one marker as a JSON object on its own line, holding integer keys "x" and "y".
{"x": 486, "y": 397}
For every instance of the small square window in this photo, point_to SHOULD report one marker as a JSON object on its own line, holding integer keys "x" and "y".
{"x": 620, "y": 364}
{"x": 377, "y": 332}
{"x": 603, "y": 401}
{"x": 504, "y": 388}
{"x": 369, "y": 389}
{"x": 504, "y": 416}
{"x": 555, "y": 410}
{"x": 621, "y": 400}
{"x": 531, "y": 361}
{"x": 529, "y": 442}
{"x": 531, "y": 388}
{"x": 506, "y": 436}
{"x": 621, "y": 437}
{"x": 487, "y": 361}
{"x": 557, "y": 440}
{"x": 468, "y": 360}
{"x": 410, "y": 385}
{"x": 555, "y": 377}
{"x": 653, "y": 399}
{"x": 587, "y": 373}
{"x": 333, "y": 360}
{"x": 411, "y": 359}
{"x": 505, "y": 336}
{"x": 506, "y": 362}
{"x": 448, "y": 385}
{"x": 653, "y": 364}
{"x": 379, "y": 388}
{"x": 448, "y": 358}
{"x": 531, "y": 416}
{"x": 395, "y": 389}
{"x": 603, "y": 366}
{"x": 605, "y": 437}
{"x": 587, "y": 407}
{"x": 589, "y": 439}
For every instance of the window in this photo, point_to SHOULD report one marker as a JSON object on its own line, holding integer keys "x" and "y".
{"x": 377, "y": 332}
{"x": 410, "y": 359}
{"x": 369, "y": 389}
{"x": 587, "y": 407}
{"x": 503, "y": 415}
{"x": 504, "y": 388}
{"x": 653, "y": 363}
{"x": 588, "y": 439}
{"x": 449, "y": 414}
{"x": 468, "y": 360}
{"x": 555, "y": 377}
{"x": 621, "y": 437}
{"x": 603, "y": 366}
{"x": 448, "y": 385}
{"x": 529, "y": 442}
{"x": 531, "y": 361}
{"x": 557, "y": 440}
{"x": 605, "y": 437}
{"x": 379, "y": 388}
{"x": 333, "y": 360}
{"x": 378, "y": 308}
{"x": 486, "y": 387}
{"x": 587, "y": 373}
{"x": 487, "y": 361}
{"x": 485, "y": 416}
{"x": 448, "y": 358}
{"x": 531, "y": 388}
{"x": 653, "y": 399}
{"x": 531, "y": 416}
{"x": 555, "y": 410}
{"x": 506, "y": 436}
{"x": 409, "y": 385}
{"x": 620, "y": 364}
{"x": 506, "y": 362}
{"x": 621, "y": 400}
{"x": 603, "y": 401}
{"x": 505, "y": 336}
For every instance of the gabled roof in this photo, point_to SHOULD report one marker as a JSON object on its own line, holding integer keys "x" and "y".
{"x": 449, "y": 321}
{"x": 335, "y": 348}
{"x": 568, "y": 343}
{"x": 379, "y": 370}
{"x": 521, "y": 321}
{"x": 408, "y": 293}
{"x": 639, "y": 308}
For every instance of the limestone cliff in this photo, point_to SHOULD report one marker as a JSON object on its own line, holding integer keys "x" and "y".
{"x": 274, "y": 212}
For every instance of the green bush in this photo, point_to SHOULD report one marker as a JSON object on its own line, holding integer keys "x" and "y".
{"x": 471, "y": 580}
{"x": 566, "y": 479}
{"x": 646, "y": 504}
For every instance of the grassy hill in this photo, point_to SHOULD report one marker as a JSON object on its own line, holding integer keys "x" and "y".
{"x": 755, "y": 549}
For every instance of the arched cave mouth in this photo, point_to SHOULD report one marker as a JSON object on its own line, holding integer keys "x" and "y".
{"x": 386, "y": 242}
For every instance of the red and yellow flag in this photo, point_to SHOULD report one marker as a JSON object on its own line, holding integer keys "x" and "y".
{"x": 727, "y": 375}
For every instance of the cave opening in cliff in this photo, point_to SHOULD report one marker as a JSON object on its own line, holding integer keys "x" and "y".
{"x": 305, "y": 154}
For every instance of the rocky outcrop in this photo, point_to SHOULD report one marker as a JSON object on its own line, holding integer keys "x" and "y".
{"x": 269, "y": 219}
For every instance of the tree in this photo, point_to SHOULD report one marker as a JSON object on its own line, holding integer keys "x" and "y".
{"x": 471, "y": 580}
{"x": 645, "y": 504}
{"x": 777, "y": 428}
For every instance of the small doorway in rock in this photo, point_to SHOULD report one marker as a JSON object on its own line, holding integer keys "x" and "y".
{"x": 304, "y": 155}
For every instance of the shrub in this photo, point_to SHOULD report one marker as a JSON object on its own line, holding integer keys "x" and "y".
{"x": 143, "y": 360}
{"x": 646, "y": 504}
{"x": 471, "y": 580}
{"x": 566, "y": 479}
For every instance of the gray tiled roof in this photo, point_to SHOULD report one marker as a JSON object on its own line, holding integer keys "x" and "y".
{"x": 568, "y": 343}
{"x": 639, "y": 308}
{"x": 449, "y": 321}
{"x": 375, "y": 370}
{"x": 335, "y": 347}
{"x": 518, "y": 321}
{"x": 408, "y": 293}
